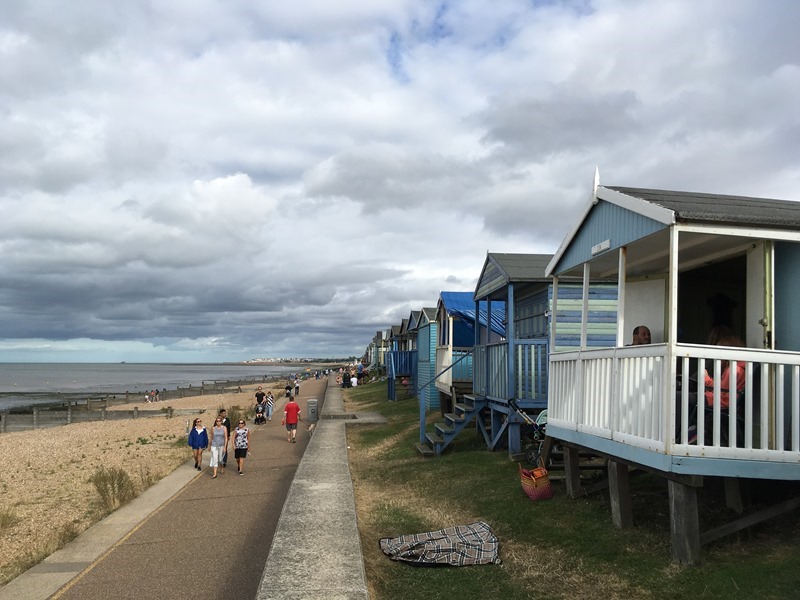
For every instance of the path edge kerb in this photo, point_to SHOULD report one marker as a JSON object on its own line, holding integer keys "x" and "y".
{"x": 316, "y": 551}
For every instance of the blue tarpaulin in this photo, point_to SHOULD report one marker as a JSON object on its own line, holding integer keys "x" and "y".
{"x": 462, "y": 305}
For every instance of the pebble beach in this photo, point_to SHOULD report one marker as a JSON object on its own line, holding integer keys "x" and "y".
{"x": 47, "y": 496}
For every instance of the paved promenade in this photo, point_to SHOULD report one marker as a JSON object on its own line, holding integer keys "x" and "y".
{"x": 316, "y": 552}
{"x": 234, "y": 537}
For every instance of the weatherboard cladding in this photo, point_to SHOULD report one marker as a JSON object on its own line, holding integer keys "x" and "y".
{"x": 610, "y": 222}
{"x": 428, "y": 315}
{"x": 531, "y": 316}
{"x": 602, "y": 318}
{"x": 426, "y": 364}
{"x": 413, "y": 320}
{"x": 607, "y": 221}
{"x": 501, "y": 269}
{"x": 404, "y": 327}
{"x": 533, "y": 303}
{"x": 492, "y": 279}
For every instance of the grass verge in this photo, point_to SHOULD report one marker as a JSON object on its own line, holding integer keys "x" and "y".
{"x": 560, "y": 548}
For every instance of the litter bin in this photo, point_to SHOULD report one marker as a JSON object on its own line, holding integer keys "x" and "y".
{"x": 311, "y": 407}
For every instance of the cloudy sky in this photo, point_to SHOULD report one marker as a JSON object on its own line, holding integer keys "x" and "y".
{"x": 218, "y": 180}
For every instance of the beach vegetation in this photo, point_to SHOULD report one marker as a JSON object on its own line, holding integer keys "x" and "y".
{"x": 36, "y": 554}
{"x": 559, "y": 548}
{"x": 235, "y": 413}
{"x": 8, "y": 518}
{"x": 114, "y": 486}
{"x": 146, "y": 477}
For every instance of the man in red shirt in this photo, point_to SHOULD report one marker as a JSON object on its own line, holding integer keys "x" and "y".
{"x": 291, "y": 414}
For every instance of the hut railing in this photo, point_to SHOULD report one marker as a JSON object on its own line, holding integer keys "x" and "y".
{"x": 450, "y": 364}
{"x": 529, "y": 374}
{"x": 645, "y": 397}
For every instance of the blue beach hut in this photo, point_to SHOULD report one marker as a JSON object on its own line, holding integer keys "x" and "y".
{"x": 515, "y": 368}
{"x": 401, "y": 360}
{"x": 427, "y": 337}
{"x": 458, "y": 329}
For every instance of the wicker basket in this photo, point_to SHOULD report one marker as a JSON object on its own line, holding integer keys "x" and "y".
{"x": 536, "y": 482}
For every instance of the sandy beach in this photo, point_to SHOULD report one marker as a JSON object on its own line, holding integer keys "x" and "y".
{"x": 47, "y": 496}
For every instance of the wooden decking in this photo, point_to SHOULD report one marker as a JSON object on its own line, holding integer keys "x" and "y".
{"x": 640, "y": 407}
{"x": 630, "y": 402}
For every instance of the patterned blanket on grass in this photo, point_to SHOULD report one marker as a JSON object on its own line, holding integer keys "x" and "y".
{"x": 473, "y": 544}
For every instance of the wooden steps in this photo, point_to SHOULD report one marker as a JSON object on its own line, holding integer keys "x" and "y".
{"x": 454, "y": 422}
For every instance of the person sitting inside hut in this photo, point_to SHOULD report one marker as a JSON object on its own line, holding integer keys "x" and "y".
{"x": 724, "y": 392}
{"x": 641, "y": 335}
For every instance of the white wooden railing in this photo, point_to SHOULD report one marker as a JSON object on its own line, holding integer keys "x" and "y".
{"x": 453, "y": 364}
{"x": 639, "y": 395}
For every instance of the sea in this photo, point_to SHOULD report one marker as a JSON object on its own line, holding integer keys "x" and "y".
{"x": 24, "y": 385}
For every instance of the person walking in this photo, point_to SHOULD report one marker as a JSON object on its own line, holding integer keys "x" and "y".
{"x": 260, "y": 395}
{"x": 219, "y": 443}
{"x": 198, "y": 441}
{"x": 291, "y": 414}
{"x": 227, "y": 423}
{"x": 296, "y": 387}
{"x": 270, "y": 405}
{"x": 261, "y": 407}
{"x": 241, "y": 445}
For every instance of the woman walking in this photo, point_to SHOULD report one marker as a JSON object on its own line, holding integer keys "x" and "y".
{"x": 241, "y": 444}
{"x": 219, "y": 444}
{"x": 198, "y": 441}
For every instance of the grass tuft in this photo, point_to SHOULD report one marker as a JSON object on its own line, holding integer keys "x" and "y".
{"x": 8, "y": 518}
{"x": 114, "y": 486}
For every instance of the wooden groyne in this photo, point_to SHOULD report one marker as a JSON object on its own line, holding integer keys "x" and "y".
{"x": 94, "y": 407}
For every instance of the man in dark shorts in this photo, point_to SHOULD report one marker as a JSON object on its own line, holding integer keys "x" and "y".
{"x": 291, "y": 415}
{"x": 261, "y": 407}
{"x": 227, "y": 422}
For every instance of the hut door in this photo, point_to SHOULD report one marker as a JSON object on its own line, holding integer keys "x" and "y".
{"x": 787, "y": 291}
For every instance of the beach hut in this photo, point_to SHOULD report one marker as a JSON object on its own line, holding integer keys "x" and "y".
{"x": 513, "y": 371}
{"x": 372, "y": 352}
{"x": 384, "y": 345}
{"x": 457, "y": 334}
{"x": 427, "y": 336}
{"x": 401, "y": 361}
{"x": 684, "y": 264}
